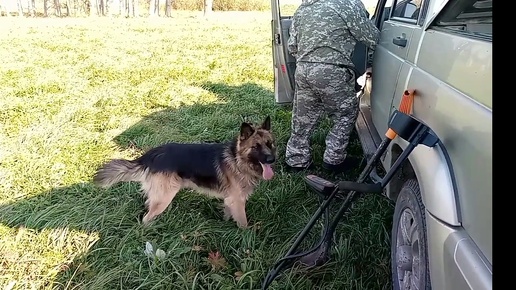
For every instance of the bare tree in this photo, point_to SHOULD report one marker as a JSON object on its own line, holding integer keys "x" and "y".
{"x": 130, "y": 8}
{"x": 154, "y": 8}
{"x": 20, "y": 8}
{"x": 68, "y": 8}
{"x": 151, "y": 7}
{"x": 75, "y": 8}
{"x": 168, "y": 8}
{"x": 31, "y": 6}
{"x": 105, "y": 7}
{"x": 121, "y": 7}
{"x": 57, "y": 7}
{"x": 100, "y": 7}
{"x": 4, "y": 7}
{"x": 208, "y": 7}
{"x": 93, "y": 7}
{"x": 136, "y": 8}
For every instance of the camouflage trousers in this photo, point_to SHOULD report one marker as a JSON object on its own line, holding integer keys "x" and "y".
{"x": 321, "y": 88}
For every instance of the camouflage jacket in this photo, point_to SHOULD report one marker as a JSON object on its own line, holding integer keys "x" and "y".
{"x": 327, "y": 31}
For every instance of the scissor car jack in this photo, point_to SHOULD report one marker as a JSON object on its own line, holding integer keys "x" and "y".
{"x": 402, "y": 125}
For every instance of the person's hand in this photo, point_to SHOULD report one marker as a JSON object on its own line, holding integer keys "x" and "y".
{"x": 361, "y": 81}
{"x": 369, "y": 72}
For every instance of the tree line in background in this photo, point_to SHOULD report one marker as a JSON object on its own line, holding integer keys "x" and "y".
{"x": 123, "y": 8}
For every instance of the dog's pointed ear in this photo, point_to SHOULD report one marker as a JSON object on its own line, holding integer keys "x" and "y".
{"x": 266, "y": 125}
{"x": 246, "y": 130}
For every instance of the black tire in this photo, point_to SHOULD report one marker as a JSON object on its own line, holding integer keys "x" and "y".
{"x": 409, "y": 251}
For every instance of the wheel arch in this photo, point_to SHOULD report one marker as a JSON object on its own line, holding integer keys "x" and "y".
{"x": 432, "y": 169}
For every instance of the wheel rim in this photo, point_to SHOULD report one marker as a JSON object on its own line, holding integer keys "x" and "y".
{"x": 408, "y": 253}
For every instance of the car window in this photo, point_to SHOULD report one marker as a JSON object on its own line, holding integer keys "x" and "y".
{"x": 385, "y": 11}
{"x": 288, "y": 7}
{"x": 468, "y": 18}
{"x": 370, "y": 6}
{"x": 407, "y": 9}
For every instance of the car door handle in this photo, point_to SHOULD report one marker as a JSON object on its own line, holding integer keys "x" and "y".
{"x": 400, "y": 41}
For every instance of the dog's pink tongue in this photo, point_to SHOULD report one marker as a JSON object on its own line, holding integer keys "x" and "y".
{"x": 267, "y": 171}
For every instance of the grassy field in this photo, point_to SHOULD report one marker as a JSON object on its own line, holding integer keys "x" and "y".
{"x": 76, "y": 92}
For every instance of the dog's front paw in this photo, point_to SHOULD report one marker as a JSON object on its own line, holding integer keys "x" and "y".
{"x": 227, "y": 214}
{"x": 243, "y": 225}
{"x": 147, "y": 220}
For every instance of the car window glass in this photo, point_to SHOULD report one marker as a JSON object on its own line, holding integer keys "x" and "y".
{"x": 387, "y": 9}
{"x": 468, "y": 18}
{"x": 407, "y": 9}
{"x": 384, "y": 11}
{"x": 370, "y": 6}
{"x": 288, "y": 7}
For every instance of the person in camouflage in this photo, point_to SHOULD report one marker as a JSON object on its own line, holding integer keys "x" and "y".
{"x": 322, "y": 38}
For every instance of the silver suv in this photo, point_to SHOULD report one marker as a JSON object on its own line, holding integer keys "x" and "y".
{"x": 442, "y": 49}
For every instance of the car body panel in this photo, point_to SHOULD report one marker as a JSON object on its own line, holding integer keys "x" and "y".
{"x": 465, "y": 128}
{"x": 467, "y": 66}
{"x": 455, "y": 261}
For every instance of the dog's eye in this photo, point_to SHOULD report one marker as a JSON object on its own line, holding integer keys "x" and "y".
{"x": 269, "y": 144}
{"x": 257, "y": 146}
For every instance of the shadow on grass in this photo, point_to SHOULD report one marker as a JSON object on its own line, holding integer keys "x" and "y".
{"x": 111, "y": 253}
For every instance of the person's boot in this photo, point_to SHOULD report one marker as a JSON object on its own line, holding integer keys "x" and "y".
{"x": 350, "y": 163}
{"x": 294, "y": 169}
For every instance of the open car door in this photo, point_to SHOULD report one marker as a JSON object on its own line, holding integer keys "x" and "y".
{"x": 284, "y": 64}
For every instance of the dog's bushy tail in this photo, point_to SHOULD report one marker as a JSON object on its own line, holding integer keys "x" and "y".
{"x": 118, "y": 170}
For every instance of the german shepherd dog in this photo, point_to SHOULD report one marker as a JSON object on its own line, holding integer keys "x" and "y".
{"x": 229, "y": 171}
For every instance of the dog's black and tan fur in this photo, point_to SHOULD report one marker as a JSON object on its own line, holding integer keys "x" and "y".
{"x": 229, "y": 171}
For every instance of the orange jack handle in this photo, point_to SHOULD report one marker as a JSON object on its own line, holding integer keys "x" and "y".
{"x": 407, "y": 100}
{"x": 390, "y": 134}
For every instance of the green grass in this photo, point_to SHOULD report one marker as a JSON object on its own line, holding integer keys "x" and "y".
{"x": 76, "y": 92}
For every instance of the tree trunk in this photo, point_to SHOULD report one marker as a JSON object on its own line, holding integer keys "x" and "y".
{"x": 129, "y": 8}
{"x": 154, "y": 5}
{"x": 68, "y": 8}
{"x": 20, "y": 8}
{"x": 136, "y": 8}
{"x": 45, "y": 8}
{"x": 31, "y": 7}
{"x": 208, "y": 7}
{"x": 101, "y": 7}
{"x": 57, "y": 7}
{"x": 168, "y": 8}
{"x": 92, "y": 7}
{"x": 123, "y": 5}
{"x": 152, "y": 8}
{"x": 4, "y": 7}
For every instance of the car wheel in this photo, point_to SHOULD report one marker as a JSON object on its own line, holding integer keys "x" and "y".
{"x": 409, "y": 254}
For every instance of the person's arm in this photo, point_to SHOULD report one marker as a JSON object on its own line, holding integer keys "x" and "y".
{"x": 292, "y": 39}
{"x": 359, "y": 25}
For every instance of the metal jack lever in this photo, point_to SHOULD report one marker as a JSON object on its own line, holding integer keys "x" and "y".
{"x": 401, "y": 125}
